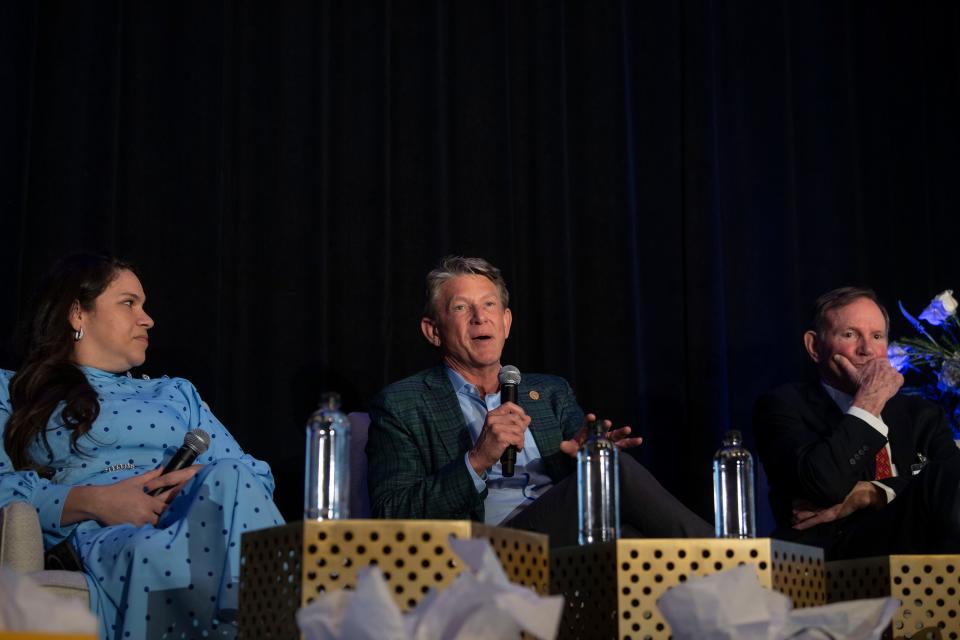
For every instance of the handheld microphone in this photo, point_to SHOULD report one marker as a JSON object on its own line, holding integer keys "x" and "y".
{"x": 509, "y": 378}
{"x": 194, "y": 443}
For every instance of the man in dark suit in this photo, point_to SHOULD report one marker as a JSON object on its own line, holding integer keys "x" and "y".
{"x": 854, "y": 466}
{"x": 436, "y": 438}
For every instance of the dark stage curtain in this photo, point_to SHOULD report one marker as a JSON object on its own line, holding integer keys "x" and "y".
{"x": 666, "y": 185}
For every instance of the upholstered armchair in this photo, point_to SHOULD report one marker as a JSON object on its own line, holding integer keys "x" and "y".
{"x": 21, "y": 549}
{"x": 359, "y": 495}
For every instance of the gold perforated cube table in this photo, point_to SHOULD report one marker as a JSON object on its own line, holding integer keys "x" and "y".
{"x": 611, "y": 590}
{"x": 284, "y": 568}
{"x": 928, "y": 588}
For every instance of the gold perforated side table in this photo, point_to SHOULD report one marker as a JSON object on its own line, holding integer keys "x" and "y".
{"x": 928, "y": 588}
{"x": 611, "y": 590}
{"x": 284, "y": 568}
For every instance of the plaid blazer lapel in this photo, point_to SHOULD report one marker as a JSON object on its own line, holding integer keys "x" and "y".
{"x": 447, "y": 422}
{"x": 544, "y": 427}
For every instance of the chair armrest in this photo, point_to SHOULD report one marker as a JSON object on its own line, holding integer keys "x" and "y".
{"x": 359, "y": 492}
{"x": 21, "y": 541}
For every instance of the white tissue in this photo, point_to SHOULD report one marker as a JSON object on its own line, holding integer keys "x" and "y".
{"x": 855, "y": 620}
{"x": 26, "y": 606}
{"x": 322, "y": 618}
{"x": 360, "y": 620}
{"x": 480, "y": 604}
{"x": 732, "y": 604}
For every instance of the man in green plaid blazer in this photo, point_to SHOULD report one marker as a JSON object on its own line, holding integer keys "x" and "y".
{"x": 418, "y": 437}
{"x": 434, "y": 448}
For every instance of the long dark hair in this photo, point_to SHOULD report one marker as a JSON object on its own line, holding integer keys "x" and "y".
{"x": 47, "y": 376}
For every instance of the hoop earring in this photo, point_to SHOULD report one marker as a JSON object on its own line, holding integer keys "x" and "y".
{"x": 78, "y": 335}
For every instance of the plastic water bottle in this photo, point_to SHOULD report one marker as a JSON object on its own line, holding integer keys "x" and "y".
{"x": 598, "y": 487}
{"x": 326, "y": 491}
{"x": 733, "y": 505}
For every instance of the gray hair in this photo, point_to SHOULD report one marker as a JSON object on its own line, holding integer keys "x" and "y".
{"x": 839, "y": 298}
{"x": 453, "y": 266}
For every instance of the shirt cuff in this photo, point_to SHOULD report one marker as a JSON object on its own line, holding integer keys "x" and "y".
{"x": 50, "y": 499}
{"x": 870, "y": 419}
{"x": 478, "y": 483}
{"x": 891, "y": 494}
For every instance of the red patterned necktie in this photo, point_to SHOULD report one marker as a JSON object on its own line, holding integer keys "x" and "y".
{"x": 883, "y": 464}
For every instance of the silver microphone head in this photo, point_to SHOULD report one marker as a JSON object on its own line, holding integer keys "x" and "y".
{"x": 198, "y": 440}
{"x": 509, "y": 375}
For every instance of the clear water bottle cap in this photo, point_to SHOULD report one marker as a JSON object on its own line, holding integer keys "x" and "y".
{"x": 596, "y": 428}
{"x": 732, "y": 438}
{"x": 330, "y": 400}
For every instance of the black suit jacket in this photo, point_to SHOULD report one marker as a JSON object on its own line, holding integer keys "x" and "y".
{"x": 812, "y": 451}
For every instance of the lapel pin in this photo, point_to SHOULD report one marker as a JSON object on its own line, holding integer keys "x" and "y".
{"x": 534, "y": 395}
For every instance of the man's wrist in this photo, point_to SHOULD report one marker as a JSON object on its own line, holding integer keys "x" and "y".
{"x": 473, "y": 457}
{"x": 873, "y": 406}
{"x": 479, "y": 479}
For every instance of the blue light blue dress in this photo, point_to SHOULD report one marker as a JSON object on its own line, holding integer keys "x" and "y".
{"x": 180, "y": 578}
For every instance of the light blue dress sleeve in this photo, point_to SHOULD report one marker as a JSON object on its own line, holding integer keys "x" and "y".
{"x": 222, "y": 444}
{"x": 46, "y": 497}
{"x": 180, "y": 577}
{"x": 5, "y": 408}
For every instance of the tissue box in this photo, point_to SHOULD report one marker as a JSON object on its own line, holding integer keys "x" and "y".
{"x": 927, "y": 586}
{"x": 611, "y": 589}
{"x": 285, "y": 567}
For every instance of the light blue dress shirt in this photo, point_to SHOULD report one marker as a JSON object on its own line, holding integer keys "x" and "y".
{"x": 505, "y": 496}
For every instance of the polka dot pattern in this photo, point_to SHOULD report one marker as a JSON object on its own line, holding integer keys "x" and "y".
{"x": 178, "y": 579}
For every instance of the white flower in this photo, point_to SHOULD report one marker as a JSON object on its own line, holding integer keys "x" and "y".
{"x": 940, "y": 308}
{"x": 948, "y": 301}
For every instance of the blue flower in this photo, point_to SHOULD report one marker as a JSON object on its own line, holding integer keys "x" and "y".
{"x": 935, "y": 314}
{"x": 899, "y": 356}
{"x": 934, "y": 356}
{"x": 940, "y": 308}
{"x": 949, "y": 378}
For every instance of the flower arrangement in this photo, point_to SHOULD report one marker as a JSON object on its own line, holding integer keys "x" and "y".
{"x": 934, "y": 355}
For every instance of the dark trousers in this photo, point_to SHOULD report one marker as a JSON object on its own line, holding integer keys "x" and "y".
{"x": 647, "y": 510}
{"x": 923, "y": 518}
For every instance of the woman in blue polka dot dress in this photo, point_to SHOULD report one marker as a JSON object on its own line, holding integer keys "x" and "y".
{"x": 84, "y": 443}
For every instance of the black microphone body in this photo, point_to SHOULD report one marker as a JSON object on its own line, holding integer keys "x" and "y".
{"x": 509, "y": 381}
{"x": 194, "y": 443}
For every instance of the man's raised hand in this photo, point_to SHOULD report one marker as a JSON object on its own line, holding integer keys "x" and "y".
{"x": 504, "y": 426}
{"x": 876, "y": 382}
{"x": 621, "y": 437}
